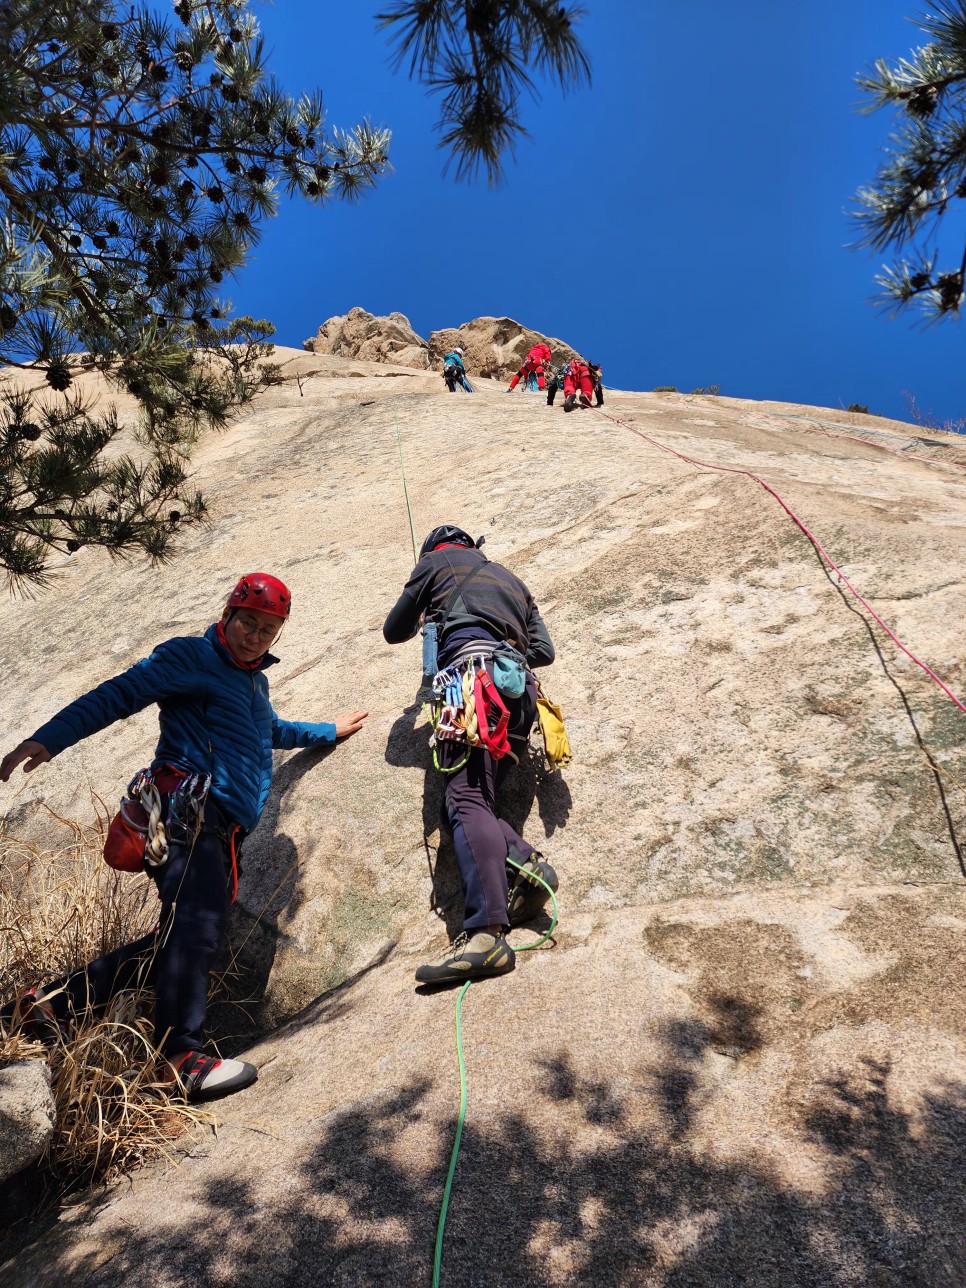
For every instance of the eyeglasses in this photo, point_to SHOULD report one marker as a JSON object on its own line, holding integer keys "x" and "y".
{"x": 250, "y": 627}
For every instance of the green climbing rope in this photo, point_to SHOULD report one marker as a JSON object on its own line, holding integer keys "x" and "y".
{"x": 441, "y": 1224}
{"x": 447, "y": 1188}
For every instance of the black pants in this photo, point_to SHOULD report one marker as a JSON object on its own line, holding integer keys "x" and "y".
{"x": 196, "y": 887}
{"x": 481, "y": 840}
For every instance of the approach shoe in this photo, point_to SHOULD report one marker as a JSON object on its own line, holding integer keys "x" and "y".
{"x": 206, "y": 1077}
{"x": 569, "y": 402}
{"x": 584, "y": 400}
{"x": 527, "y": 895}
{"x": 470, "y": 958}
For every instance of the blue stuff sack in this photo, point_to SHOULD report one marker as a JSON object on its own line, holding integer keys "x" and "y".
{"x": 509, "y": 672}
{"x": 430, "y": 648}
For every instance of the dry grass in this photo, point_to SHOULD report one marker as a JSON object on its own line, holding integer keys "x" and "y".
{"x": 60, "y": 908}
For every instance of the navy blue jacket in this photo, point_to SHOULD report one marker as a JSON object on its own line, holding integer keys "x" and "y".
{"x": 215, "y": 717}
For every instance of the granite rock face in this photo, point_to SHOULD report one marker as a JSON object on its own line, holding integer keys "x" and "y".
{"x": 492, "y": 347}
{"x": 742, "y": 1059}
{"x": 27, "y": 1115}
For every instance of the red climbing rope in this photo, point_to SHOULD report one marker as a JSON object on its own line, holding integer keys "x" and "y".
{"x": 731, "y": 469}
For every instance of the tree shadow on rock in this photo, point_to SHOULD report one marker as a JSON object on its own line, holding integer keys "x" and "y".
{"x": 586, "y": 1190}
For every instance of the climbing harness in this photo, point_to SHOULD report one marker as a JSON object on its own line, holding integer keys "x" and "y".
{"x": 160, "y": 805}
{"x": 454, "y": 1155}
{"x": 732, "y": 469}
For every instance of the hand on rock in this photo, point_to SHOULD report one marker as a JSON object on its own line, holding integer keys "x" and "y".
{"x": 34, "y": 753}
{"x": 349, "y": 723}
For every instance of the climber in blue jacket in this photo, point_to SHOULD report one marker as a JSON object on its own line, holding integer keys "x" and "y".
{"x": 454, "y": 371}
{"x": 218, "y": 730}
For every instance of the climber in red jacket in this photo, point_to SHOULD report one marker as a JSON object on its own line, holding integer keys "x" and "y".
{"x": 578, "y": 380}
{"x": 534, "y": 362}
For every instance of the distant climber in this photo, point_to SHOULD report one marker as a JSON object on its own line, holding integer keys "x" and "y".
{"x": 534, "y": 364}
{"x": 212, "y": 771}
{"x": 578, "y": 382}
{"x": 454, "y": 372}
{"x": 596, "y": 375}
{"x": 490, "y": 633}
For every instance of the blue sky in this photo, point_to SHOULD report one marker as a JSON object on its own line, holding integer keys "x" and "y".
{"x": 683, "y": 221}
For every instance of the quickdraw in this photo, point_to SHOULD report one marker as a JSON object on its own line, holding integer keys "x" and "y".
{"x": 467, "y": 707}
{"x": 185, "y": 812}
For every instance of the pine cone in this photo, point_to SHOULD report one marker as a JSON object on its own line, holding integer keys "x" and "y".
{"x": 30, "y": 432}
{"x": 58, "y": 377}
{"x": 215, "y": 194}
{"x": 8, "y": 318}
{"x": 950, "y": 288}
{"x": 192, "y": 242}
{"x": 257, "y": 174}
{"x": 72, "y": 546}
{"x": 108, "y": 32}
{"x": 923, "y": 99}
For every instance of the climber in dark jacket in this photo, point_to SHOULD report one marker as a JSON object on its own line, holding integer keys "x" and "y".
{"x": 491, "y": 606}
{"x": 216, "y": 721}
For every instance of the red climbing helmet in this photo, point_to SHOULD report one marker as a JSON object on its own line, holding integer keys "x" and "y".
{"x": 262, "y": 591}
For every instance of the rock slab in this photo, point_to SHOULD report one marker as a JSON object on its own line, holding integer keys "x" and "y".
{"x": 27, "y": 1115}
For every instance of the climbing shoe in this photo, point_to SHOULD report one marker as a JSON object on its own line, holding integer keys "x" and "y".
{"x": 205, "y": 1077}
{"x": 569, "y": 402}
{"x": 470, "y": 958}
{"x": 34, "y": 1016}
{"x": 527, "y": 895}
{"x": 584, "y": 400}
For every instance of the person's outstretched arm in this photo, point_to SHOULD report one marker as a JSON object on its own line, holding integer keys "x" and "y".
{"x": 169, "y": 672}
{"x": 287, "y": 734}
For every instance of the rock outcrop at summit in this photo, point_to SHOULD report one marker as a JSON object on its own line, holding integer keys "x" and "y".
{"x": 363, "y": 335}
{"x": 492, "y": 347}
